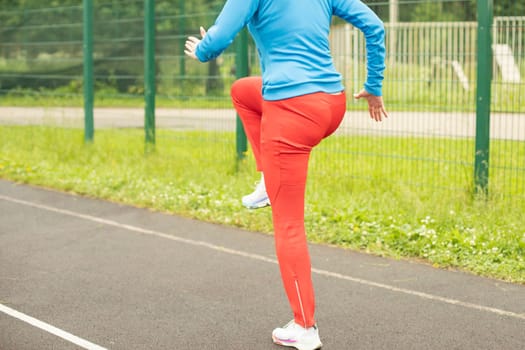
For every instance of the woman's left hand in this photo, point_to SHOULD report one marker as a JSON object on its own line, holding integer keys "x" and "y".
{"x": 191, "y": 44}
{"x": 376, "y": 107}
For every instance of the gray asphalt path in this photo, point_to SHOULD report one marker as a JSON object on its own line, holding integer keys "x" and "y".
{"x": 509, "y": 126}
{"x": 127, "y": 278}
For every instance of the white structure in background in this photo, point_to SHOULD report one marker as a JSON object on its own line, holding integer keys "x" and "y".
{"x": 509, "y": 40}
{"x": 460, "y": 73}
{"x": 508, "y": 68}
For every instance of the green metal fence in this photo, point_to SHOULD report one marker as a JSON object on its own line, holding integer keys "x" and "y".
{"x": 431, "y": 86}
{"x": 508, "y": 106}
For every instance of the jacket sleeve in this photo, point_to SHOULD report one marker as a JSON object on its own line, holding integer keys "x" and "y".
{"x": 233, "y": 17}
{"x": 363, "y": 18}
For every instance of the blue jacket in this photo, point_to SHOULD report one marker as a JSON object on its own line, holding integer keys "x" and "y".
{"x": 292, "y": 41}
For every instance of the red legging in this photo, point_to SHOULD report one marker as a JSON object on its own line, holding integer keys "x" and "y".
{"x": 282, "y": 134}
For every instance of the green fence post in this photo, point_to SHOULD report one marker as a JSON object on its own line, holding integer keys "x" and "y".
{"x": 149, "y": 73}
{"x": 241, "y": 70}
{"x": 483, "y": 91}
{"x": 87, "y": 44}
{"x": 182, "y": 31}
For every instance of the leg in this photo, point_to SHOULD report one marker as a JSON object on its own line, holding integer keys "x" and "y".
{"x": 247, "y": 99}
{"x": 290, "y": 129}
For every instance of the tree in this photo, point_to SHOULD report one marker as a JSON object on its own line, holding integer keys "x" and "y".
{"x": 443, "y": 10}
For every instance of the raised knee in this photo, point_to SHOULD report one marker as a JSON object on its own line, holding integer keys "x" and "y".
{"x": 245, "y": 85}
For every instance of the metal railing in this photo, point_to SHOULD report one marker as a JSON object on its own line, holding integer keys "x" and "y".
{"x": 430, "y": 87}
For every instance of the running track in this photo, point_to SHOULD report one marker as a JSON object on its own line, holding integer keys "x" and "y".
{"x": 84, "y": 273}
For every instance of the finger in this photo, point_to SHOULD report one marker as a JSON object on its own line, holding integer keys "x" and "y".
{"x": 190, "y": 50}
{"x": 189, "y": 47}
{"x": 203, "y": 31}
{"x": 359, "y": 95}
{"x": 371, "y": 112}
{"x": 192, "y": 43}
{"x": 378, "y": 115}
{"x": 194, "y": 39}
{"x": 381, "y": 112}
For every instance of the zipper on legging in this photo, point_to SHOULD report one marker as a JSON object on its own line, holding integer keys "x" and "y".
{"x": 300, "y": 302}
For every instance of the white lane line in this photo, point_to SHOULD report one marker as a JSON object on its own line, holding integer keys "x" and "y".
{"x": 230, "y": 251}
{"x": 50, "y": 329}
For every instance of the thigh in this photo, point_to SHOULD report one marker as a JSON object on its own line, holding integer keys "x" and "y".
{"x": 290, "y": 128}
{"x": 247, "y": 92}
{"x": 300, "y": 123}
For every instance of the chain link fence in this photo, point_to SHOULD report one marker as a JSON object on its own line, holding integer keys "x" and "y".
{"x": 430, "y": 87}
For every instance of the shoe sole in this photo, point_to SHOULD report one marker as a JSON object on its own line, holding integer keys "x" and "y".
{"x": 297, "y": 346}
{"x": 257, "y": 205}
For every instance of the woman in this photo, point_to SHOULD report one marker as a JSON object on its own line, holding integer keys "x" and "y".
{"x": 298, "y": 101}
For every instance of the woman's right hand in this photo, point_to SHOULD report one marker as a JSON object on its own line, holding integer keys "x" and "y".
{"x": 191, "y": 44}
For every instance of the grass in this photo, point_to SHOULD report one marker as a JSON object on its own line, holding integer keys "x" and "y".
{"x": 352, "y": 202}
{"x": 406, "y": 87}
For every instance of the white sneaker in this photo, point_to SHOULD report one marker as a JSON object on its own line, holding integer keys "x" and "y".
{"x": 258, "y": 198}
{"x": 296, "y": 336}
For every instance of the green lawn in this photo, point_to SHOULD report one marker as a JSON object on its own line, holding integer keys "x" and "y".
{"x": 399, "y": 197}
